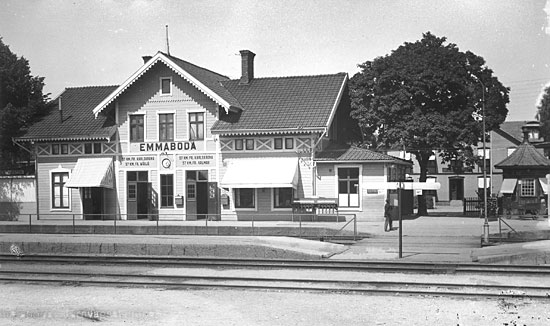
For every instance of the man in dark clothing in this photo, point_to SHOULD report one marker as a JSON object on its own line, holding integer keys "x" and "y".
{"x": 387, "y": 216}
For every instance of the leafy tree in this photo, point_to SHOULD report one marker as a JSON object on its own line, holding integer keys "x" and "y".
{"x": 543, "y": 113}
{"x": 427, "y": 96}
{"x": 21, "y": 102}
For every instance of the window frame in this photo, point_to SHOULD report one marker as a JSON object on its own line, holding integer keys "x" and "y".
{"x": 131, "y": 126}
{"x": 237, "y": 194}
{"x": 161, "y": 79}
{"x": 274, "y": 193}
{"x": 359, "y": 182}
{"x": 528, "y": 190}
{"x": 278, "y": 146}
{"x": 166, "y": 190}
{"x": 62, "y": 190}
{"x": 164, "y": 124}
{"x": 200, "y": 124}
{"x": 289, "y": 143}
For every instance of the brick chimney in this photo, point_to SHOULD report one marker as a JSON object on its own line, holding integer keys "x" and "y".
{"x": 247, "y": 65}
{"x": 146, "y": 58}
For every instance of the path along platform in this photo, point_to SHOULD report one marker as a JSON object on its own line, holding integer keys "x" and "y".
{"x": 435, "y": 238}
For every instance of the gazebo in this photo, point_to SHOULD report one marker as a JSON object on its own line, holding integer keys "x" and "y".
{"x": 525, "y": 172}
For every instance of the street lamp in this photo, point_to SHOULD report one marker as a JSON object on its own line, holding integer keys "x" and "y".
{"x": 486, "y": 220}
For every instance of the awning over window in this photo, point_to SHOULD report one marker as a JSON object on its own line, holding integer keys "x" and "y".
{"x": 92, "y": 172}
{"x": 544, "y": 185}
{"x": 508, "y": 186}
{"x": 261, "y": 173}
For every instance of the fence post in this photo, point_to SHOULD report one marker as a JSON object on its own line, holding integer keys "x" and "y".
{"x": 30, "y": 223}
{"x": 354, "y": 226}
{"x": 300, "y": 228}
{"x": 252, "y": 224}
{"x": 114, "y": 222}
{"x": 73, "y": 226}
{"x": 158, "y": 218}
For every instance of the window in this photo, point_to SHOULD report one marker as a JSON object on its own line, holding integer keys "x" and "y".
{"x": 60, "y": 194}
{"x": 282, "y": 198}
{"x": 528, "y": 187}
{"x": 90, "y": 148}
{"x": 166, "y": 86}
{"x": 166, "y": 190}
{"x": 249, "y": 144}
{"x": 289, "y": 143}
{"x": 55, "y": 149}
{"x": 166, "y": 127}
{"x": 245, "y": 198}
{"x": 196, "y": 126}
{"x": 348, "y": 187}
{"x": 136, "y": 128}
{"x": 64, "y": 149}
{"x": 278, "y": 143}
{"x": 238, "y": 144}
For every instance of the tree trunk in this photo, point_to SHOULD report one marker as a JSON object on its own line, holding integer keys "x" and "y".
{"x": 423, "y": 159}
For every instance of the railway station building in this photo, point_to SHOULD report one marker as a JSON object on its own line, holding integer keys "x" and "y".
{"x": 178, "y": 141}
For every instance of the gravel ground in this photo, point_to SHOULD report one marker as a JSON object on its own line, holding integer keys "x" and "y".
{"x": 33, "y": 304}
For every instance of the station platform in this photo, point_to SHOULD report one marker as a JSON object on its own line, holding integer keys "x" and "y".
{"x": 434, "y": 238}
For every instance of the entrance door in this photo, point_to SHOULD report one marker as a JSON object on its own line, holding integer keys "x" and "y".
{"x": 456, "y": 189}
{"x": 137, "y": 192}
{"x": 196, "y": 185}
{"x": 92, "y": 203}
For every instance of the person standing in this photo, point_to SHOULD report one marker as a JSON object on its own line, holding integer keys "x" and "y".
{"x": 387, "y": 217}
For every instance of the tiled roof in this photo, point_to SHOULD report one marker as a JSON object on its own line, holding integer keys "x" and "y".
{"x": 283, "y": 103}
{"x": 353, "y": 153}
{"x": 78, "y": 119}
{"x": 526, "y": 155}
{"x": 208, "y": 78}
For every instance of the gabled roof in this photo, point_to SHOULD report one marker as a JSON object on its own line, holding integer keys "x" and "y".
{"x": 284, "y": 103}
{"x": 348, "y": 153}
{"x": 78, "y": 121}
{"x": 525, "y": 156}
{"x": 204, "y": 80}
{"x": 512, "y": 131}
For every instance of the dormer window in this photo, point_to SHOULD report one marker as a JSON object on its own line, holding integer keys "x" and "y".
{"x": 166, "y": 86}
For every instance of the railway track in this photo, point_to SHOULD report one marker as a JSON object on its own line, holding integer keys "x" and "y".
{"x": 323, "y": 275}
{"x": 349, "y": 265}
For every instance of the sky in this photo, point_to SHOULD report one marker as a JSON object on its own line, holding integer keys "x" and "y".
{"x": 101, "y": 42}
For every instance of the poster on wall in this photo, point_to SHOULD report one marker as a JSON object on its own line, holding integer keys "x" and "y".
{"x": 138, "y": 161}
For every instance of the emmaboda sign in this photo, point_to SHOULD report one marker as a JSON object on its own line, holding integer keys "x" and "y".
{"x": 163, "y": 146}
{"x": 195, "y": 161}
{"x": 141, "y": 161}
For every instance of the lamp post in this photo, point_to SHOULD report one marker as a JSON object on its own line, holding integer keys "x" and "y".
{"x": 486, "y": 220}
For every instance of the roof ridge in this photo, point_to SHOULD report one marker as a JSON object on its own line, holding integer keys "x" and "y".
{"x": 197, "y": 66}
{"x": 91, "y": 86}
{"x": 296, "y": 76}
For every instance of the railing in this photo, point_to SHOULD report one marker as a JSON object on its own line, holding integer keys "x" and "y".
{"x": 174, "y": 224}
{"x": 472, "y": 206}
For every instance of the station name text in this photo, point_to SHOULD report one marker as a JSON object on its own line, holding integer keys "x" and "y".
{"x": 175, "y": 146}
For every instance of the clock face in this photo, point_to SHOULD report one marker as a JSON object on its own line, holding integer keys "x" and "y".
{"x": 166, "y": 163}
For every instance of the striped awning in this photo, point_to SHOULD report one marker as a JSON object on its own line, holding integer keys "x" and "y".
{"x": 261, "y": 173}
{"x": 508, "y": 186}
{"x": 92, "y": 172}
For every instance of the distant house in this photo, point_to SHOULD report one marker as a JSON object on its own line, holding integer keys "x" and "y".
{"x": 458, "y": 181}
{"x": 178, "y": 141}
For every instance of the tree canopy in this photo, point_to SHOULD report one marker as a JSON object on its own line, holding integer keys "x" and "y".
{"x": 427, "y": 96}
{"x": 543, "y": 113}
{"x": 21, "y": 102}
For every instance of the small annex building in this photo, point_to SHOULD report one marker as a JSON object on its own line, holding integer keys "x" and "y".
{"x": 178, "y": 141}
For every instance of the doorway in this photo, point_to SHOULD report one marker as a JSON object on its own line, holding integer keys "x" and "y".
{"x": 92, "y": 203}
{"x": 138, "y": 195}
{"x": 196, "y": 185}
{"x": 456, "y": 189}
